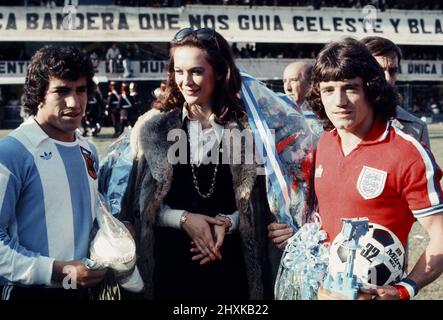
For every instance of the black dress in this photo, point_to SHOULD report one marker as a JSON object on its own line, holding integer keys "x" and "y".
{"x": 176, "y": 276}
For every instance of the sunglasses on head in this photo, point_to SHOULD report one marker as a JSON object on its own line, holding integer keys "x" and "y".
{"x": 203, "y": 34}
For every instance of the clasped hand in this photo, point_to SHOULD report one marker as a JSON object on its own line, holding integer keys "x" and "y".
{"x": 207, "y": 234}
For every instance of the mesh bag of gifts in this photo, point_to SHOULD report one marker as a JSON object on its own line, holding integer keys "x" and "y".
{"x": 304, "y": 264}
{"x": 114, "y": 172}
{"x": 114, "y": 247}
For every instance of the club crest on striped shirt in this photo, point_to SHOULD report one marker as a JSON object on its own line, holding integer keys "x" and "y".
{"x": 89, "y": 160}
{"x": 371, "y": 182}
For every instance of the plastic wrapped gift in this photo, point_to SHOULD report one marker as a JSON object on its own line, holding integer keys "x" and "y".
{"x": 286, "y": 142}
{"x": 114, "y": 247}
{"x": 114, "y": 172}
{"x": 303, "y": 265}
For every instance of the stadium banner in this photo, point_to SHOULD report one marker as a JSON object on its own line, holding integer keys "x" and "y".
{"x": 236, "y": 23}
{"x": 262, "y": 69}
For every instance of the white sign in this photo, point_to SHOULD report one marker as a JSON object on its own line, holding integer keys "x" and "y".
{"x": 421, "y": 70}
{"x": 236, "y": 23}
{"x": 262, "y": 69}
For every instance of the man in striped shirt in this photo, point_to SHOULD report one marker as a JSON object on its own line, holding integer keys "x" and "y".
{"x": 48, "y": 184}
{"x": 366, "y": 167}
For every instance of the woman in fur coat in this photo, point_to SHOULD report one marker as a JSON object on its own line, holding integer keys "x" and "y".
{"x": 195, "y": 194}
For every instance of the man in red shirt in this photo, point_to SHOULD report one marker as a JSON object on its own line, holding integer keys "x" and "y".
{"x": 365, "y": 167}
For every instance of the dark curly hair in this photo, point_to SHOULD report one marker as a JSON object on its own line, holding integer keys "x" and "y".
{"x": 348, "y": 59}
{"x": 61, "y": 63}
{"x": 227, "y": 104}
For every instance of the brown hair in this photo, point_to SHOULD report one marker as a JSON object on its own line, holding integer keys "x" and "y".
{"x": 348, "y": 59}
{"x": 227, "y": 104}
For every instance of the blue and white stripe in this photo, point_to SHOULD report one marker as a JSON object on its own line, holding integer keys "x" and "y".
{"x": 6, "y": 292}
{"x": 428, "y": 211}
{"x": 433, "y": 191}
{"x": 272, "y": 164}
{"x": 50, "y": 204}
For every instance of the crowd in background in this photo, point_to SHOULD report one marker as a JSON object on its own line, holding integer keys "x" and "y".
{"x": 119, "y": 107}
{"x": 309, "y": 51}
{"x": 119, "y": 52}
{"x": 97, "y": 51}
{"x": 430, "y": 105}
{"x": 118, "y": 58}
{"x": 104, "y": 108}
{"x": 316, "y": 4}
{"x": 118, "y": 104}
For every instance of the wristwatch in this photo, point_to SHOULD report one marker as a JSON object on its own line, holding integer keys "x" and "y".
{"x": 228, "y": 219}
{"x": 183, "y": 218}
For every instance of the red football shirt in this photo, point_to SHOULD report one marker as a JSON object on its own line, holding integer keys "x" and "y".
{"x": 390, "y": 178}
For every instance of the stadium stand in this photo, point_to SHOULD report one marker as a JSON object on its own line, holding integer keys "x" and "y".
{"x": 263, "y": 51}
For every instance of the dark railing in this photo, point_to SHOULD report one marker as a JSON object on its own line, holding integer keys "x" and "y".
{"x": 317, "y": 4}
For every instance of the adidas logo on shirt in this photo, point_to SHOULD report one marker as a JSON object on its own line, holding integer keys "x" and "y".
{"x": 46, "y": 155}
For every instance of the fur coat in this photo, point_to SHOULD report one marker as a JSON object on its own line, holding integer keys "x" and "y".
{"x": 151, "y": 179}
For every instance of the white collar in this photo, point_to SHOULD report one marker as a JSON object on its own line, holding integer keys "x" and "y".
{"x": 218, "y": 128}
{"x": 36, "y": 135}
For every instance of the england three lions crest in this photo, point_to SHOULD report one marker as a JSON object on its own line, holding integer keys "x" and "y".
{"x": 371, "y": 182}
